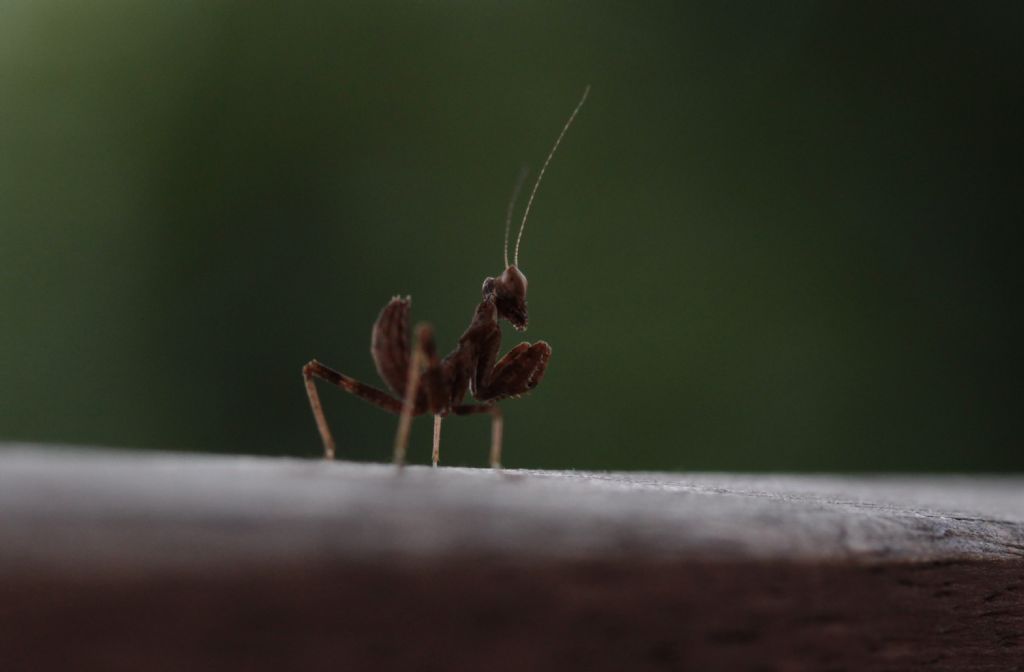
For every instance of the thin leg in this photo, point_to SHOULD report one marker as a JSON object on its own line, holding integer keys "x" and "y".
{"x": 497, "y": 424}
{"x": 315, "y": 369}
{"x": 497, "y": 428}
{"x": 436, "y": 455}
{"x": 412, "y": 387}
{"x": 424, "y": 371}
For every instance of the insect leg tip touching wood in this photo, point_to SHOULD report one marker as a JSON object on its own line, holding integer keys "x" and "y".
{"x": 421, "y": 383}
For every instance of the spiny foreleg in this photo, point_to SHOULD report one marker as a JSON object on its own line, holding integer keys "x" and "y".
{"x": 515, "y": 374}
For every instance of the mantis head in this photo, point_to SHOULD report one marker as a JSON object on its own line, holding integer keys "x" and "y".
{"x": 508, "y": 291}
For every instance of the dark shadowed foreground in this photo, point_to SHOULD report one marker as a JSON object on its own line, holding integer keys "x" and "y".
{"x": 121, "y": 561}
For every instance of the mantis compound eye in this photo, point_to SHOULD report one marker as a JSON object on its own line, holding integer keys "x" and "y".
{"x": 513, "y": 281}
{"x": 488, "y": 288}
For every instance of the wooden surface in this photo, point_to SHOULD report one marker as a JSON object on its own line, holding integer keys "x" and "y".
{"x": 120, "y": 560}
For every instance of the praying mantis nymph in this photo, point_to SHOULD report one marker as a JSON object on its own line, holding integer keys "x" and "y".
{"x": 422, "y": 383}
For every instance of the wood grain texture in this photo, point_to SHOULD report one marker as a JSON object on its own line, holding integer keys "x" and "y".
{"x": 167, "y": 561}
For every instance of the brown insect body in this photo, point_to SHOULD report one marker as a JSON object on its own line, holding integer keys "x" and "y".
{"x": 473, "y": 365}
{"x": 423, "y": 383}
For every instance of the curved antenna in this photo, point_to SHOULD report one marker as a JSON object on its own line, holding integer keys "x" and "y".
{"x": 540, "y": 175}
{"x": 512, "y": 206}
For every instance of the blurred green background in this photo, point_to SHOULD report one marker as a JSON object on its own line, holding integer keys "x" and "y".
{"x": 780, "y": 236}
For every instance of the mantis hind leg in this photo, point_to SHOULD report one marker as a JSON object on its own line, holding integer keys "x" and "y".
{"x": 315, "y": 369}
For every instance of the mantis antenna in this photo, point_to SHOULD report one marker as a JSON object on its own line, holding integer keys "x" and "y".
{"x": 512, "y": 206}
{"x": 540, "y": 175}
